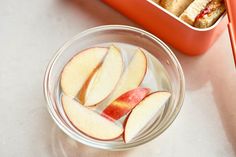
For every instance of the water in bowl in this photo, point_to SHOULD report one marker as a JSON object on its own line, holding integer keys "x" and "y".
{"x": 156, "y": 78}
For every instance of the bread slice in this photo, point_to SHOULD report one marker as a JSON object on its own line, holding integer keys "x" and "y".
{"x": 207, "y": 18}
{"x": 175, "y": 6}
{"x": 193, "y": 10}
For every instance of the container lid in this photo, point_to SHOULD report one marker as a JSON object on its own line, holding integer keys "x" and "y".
{"x": 231, "y": 10}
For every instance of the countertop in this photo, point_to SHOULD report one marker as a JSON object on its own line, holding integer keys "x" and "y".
{"x": 31, "y": 32}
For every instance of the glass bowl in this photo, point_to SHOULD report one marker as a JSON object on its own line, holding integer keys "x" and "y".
{"x": 118, "y": 34}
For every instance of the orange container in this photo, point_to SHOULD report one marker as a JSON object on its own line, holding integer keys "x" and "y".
{"x": 169, "y": 28}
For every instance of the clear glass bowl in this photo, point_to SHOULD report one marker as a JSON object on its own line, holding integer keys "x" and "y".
{"x": 109, "y": 34}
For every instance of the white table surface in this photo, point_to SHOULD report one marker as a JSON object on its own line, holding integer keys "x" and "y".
{"x": 32, "y": 30}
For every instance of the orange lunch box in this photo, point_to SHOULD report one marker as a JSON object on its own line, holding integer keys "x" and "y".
{"x": 169, "y": 28}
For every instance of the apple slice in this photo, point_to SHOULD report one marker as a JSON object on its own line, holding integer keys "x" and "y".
{"x": 87, "y": 85}
{"x": 89, "y": 122}
{"x": 80, "y": 68}
{"x": 143, "y": 113}
{"x": 132, "y": 76}
{"x": 125, "y": 103}
{"x": 106, "y": 77}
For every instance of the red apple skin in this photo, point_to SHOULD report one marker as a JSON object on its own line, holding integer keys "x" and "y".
{"x": 125, "y": 103}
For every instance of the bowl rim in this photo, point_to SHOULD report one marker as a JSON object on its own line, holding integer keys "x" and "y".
{"x": 58, "y": 53}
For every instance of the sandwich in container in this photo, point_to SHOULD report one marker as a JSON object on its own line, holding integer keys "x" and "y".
{"x": 180, "y": 23}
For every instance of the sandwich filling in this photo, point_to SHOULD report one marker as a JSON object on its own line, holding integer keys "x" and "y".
{"x": 210, "y": 14}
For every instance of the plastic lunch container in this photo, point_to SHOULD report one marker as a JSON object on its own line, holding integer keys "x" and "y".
{"x": 169, "y": 28}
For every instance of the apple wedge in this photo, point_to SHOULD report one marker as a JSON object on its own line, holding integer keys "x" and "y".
{"x": 125, "y": 103}
{"x": 80, "y": 68}
{"x": 106, "y": 78}
{"x": 143, "y": 113}
{"x": 132, "y": 76}
{"x": 89, "y": 122}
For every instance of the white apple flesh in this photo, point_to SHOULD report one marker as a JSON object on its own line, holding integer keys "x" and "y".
{"x": 132, "y": 76}
{"x": 143, "y": 113}
{"x": 106, "y": 78}
{"x": 89, "y": 122}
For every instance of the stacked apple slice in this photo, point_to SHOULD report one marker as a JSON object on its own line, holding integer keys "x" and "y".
{"x": 105, "y": 79}
{"x": 132, "y": 76}
{"x": 96, "y": 75}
